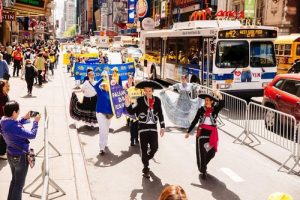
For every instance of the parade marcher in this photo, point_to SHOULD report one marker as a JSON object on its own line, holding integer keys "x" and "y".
{"x": 30, "y": 73}
{"x": 103, "y": 110}
{"x": 4, "y": 89}
{"x": 85, "y": 111}
{"x": 207, "y": 132}
{"x": 130, "y": 59}
{"x": 9, "y": 50}
{"x": 17, "y": 58}
{"x": 133, "y": 93}
{"x": 17, "y": 140}
{"x": 4, "y": 70}
{"x": 183, "y": 110}
{"x": 148, "y": 110}
{"x": 52, "y": 58}
{"x": 40, "y": 65}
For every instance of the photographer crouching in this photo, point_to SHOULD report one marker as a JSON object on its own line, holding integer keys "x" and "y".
{"x": 17, "y": 140}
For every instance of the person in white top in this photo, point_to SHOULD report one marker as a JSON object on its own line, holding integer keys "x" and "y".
{"x": 85, "y": 111}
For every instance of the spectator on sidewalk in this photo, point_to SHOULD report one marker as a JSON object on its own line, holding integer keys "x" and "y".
{"x": 9, "y": 50}
{"x": 30, "y": 73}
{"x": 17, "y": 58}
{"x": 4, "y": 70}
{"x": 173, "y": 192}
{"x": 4, "y": 89}
{"x": 40, "y": 65}
{"x": 17, "y": 140}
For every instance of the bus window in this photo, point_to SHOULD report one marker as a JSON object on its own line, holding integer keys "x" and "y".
{"x": 232, "y": 54}
{"x": 148, "y": 44}
{"x": 171, "y": 50}
{"x": 181, "y": 51}
{"x": 281, "y": 50}
{"x": 287, "y": 49}
{"x": 156, "y": 45}
{"x": 193, "y": 50}
{"x": 262, "y": 54}
{"x": 298, "y": 50}
{"x": 276, "y": 49}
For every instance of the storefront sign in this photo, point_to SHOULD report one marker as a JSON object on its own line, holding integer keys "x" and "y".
{"x": 131, "y": 11}
{"x": 148, "y": 24}
{"x": 230, "y": 14}
{"x": 185, "y": 3}
{"x": 35, "y": 3}
{"x": 142, "y": 8}
{"x": 201, "y": 15}
{"x": 1, "y": 7}
{"x": 250, "y": 8}
{"x": 9, "y": 16}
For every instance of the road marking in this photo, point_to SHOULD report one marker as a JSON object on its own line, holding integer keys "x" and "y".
{"x": 232, "y": 175}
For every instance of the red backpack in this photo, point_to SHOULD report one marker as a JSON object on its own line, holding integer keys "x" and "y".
{"x": 18, "y": 56}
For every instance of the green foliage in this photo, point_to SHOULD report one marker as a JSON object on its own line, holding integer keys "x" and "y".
{"x": 70, "y": 32}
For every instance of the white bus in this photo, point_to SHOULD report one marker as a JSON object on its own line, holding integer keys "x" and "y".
{"x": 239, "y": 60}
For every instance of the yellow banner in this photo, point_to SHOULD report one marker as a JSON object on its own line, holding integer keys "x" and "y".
{"x": 66, "y": 57}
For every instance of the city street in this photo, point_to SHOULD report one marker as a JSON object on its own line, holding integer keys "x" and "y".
{"x": 237, "y": 171}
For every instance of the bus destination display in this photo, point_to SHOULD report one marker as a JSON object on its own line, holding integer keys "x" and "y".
{"x": 247, "y": 33}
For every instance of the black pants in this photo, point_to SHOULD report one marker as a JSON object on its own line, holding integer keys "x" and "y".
{"x": 17, "y": 67}
{"x": 29, "y": 81}
{"x": 40, "y": 77}
{"x": 51, "y": 67}
{"x": 2, "y": 145}
{"x": 204, "y": 155}
{"x": 133, "y": 131}
{"x": 148, "y": 138}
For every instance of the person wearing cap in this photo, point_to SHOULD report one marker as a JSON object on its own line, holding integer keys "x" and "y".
{"x": 30, "y": 73}
{"x": 17, "y": 58}
{"x": 103, "y": 110}
{"x": 149, "y": 112}
{"x": 207, "y": 132}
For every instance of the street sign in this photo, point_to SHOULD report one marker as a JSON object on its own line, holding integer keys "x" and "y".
{"x": 9, "y": 16}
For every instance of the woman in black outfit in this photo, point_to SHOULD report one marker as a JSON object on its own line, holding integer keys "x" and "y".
{"x": 4, "y": 89}
{"x": 207, "y": 132}
{"x": 30, "y": 73}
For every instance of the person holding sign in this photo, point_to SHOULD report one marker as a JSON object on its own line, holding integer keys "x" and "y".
{"x": 149, "y": 111}
{"x": 103, "y": 110}
{"x": 116, "y": 76}
{"x": 207, "y": 132}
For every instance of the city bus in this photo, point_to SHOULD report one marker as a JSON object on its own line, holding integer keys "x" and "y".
{"x": 287, "y": 49}
{"x": 220, "y": 54}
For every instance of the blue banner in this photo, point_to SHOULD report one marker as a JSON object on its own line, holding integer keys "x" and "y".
{"x": 117, "y": 97}
{"x": 80, "y": 70}
{"x": 92, "y": 61}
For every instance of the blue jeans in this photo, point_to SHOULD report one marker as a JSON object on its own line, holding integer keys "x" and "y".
{"x": 19, "y": 168}
{"x": 246, "y": 76}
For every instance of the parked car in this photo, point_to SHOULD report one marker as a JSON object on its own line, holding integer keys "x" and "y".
{"x": 282, "y": 94}
{"x": 135, "y": 52}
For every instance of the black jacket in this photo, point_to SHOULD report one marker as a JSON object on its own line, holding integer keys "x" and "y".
{"x": 147, "y": 118}
{"x": 200, "y": 115}
{"x": 29, "y": 71}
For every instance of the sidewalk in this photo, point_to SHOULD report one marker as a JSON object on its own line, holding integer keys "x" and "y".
{"x": 71, "y": 178}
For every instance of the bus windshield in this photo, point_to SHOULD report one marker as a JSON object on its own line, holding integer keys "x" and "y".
{"x": 232, "y": 54}
{"x": 262, "y": 54}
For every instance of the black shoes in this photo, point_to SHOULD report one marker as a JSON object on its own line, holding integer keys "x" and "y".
{"x": 146, "y": 172}
{"x": 102, "y": 152}
{"x": 203, "y": 175}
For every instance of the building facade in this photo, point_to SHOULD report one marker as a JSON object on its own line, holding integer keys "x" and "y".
{"x": 69, "y": 17}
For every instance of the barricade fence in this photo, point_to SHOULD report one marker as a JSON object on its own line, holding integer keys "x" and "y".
{"x": 45, "y": 174}
{"x": 274, "y": 126}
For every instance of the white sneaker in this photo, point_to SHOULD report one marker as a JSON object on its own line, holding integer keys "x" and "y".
{"x": 3, "y": 157}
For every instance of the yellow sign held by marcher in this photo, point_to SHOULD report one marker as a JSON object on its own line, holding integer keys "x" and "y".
{"x": 66, "y": 57}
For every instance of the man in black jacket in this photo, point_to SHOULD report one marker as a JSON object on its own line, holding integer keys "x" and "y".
{"x": 148, "y": 110}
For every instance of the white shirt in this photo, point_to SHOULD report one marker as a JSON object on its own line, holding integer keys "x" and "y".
{"x": 88, "y": 89}
{"x": 207, "y": 121}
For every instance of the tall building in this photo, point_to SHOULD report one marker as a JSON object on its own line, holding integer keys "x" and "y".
{"x": 69, "y": 13}
{"x": 85, "y": 16}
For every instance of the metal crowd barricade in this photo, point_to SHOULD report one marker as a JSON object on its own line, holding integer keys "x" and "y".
{"x": 235, "y": 110}
{"x": 45, "y": 174}
{"x": 274, "y": 126}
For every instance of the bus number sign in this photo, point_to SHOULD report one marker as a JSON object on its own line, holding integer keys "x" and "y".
{"x": 247, "y": 33}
